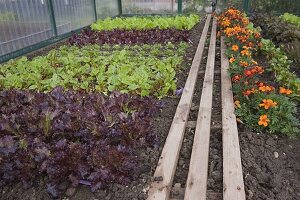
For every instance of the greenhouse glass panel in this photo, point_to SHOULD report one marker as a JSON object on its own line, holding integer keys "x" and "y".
{"x": 239, "y": 4}
{"x": 196, "y": 6}
{"x": 107, "y": 8}
{"x": 23, "y": 23}
{"x": 73, "y": 14}
{"x": 149, "y": 6}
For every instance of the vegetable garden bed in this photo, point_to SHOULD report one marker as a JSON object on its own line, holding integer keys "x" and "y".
{"x": 59, "y": 126}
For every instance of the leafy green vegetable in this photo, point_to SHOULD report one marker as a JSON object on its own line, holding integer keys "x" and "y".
{"x": 143, "y": 70}
{"x": 290, "y": 18}
{"x": 142, "y": 23}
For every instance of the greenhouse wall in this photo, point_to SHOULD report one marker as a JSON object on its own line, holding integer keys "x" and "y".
{"x": 26, "y": 25}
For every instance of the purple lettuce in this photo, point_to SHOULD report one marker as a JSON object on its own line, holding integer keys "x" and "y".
{"x": 128, "y": 37}
{"x": 86, "y": 138}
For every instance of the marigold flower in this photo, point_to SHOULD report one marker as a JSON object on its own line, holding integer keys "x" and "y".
{"x": 266, "y": 88}
{"x": 235, "y": 48}
{"x": 232, "y": 59}
{"x": 248, "y": 72}
{"x": 236, "y": 78}
{"x": 245, "y": 52}
{"x": 248, "y": 92}
{"x": 267, "y": 103}
{"x": 283, "y": 90}
{"x": 244, "y": 63}
{"x": 237, "y": 104}
{"x": 263, "y": 120}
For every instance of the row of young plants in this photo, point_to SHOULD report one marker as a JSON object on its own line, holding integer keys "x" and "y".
{"x": 261, "y": 104}
{"x": 141, "y": 70}
{"x": 129, "y": 37}
{"x": 148, "y": 22}
{"x": 82, "y": 112}
{"x": 280, "y": 65}
{"x": 85, "y": 138}
{"x": 284, "y": 34}
{"x": 276, "y": 29}
{"x": 290, "y": 18}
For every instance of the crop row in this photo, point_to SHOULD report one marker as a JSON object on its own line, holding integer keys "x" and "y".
{"x": 260, "y": 104}
{"x": 129, "y": 70}
{"x": 290, "y": 18}
{"x": 86, "y": 138}
{"x": 129, "y": 37}
{"x": 150, "y": 22}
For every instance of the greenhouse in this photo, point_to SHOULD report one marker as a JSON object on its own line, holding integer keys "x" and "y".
{"x": 150, "y": 99}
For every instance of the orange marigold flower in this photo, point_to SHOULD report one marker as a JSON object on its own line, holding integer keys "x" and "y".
{"x": 257, "y": 35}
{"x": 235, "y": 48}
{"x": 232, "y": 59}
{"x": 283, "y": 90}
{"x": 244, "y": 63}
{"x": 237, "y": 104}
{"x": 254, "y": 62}
{"x": 248, "y": 72}
{"x": 266, "y": 88}
{"x": 263, "y": 120}
{"x": 236, "y": 78}
{"x": 248, "y": 92}
{"x": 245, "y": 52}
{"x": 267, "y": 103}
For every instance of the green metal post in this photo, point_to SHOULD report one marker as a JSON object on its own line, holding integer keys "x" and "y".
{"x": 120, "y": 7}
{"x": 52, "y": 17}
{"x": 95, "y": 9}
{"x": 179, "y": 6}
{"x": 246, "y": 6}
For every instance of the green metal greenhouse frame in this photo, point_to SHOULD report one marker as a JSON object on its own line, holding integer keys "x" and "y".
{"x": 246, "y": 5}
{"x": 58, "y": 37}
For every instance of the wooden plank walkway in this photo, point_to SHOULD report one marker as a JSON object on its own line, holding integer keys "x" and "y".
{"x": 164, "y": 173}
{"x": 233, "y": 184}
{"x": 196, "y": 185}
{"x": 197, "y": 177}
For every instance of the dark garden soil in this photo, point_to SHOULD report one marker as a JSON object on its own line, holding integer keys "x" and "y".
{"x": 271, "y": 166}
{"x": 148, "y": 157}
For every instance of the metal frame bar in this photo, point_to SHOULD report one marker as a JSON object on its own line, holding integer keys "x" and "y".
{"x": 52, "y": 16}
{"x": 120, "y": 7}
{"x": 95, "y": 10}
{"x": 180, "y": 7}
{"x": 37, "y": 46}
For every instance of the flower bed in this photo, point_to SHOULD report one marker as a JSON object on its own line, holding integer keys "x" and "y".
{"x": 261, "y": 104}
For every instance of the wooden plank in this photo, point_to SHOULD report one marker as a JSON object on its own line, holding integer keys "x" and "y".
{"x": 233, "y": 184}
{"x": 214, "y": 127}
{"x": 160, "y": 190}
{"x": 178, "y": 194}
{"x": 197, "y": 178}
